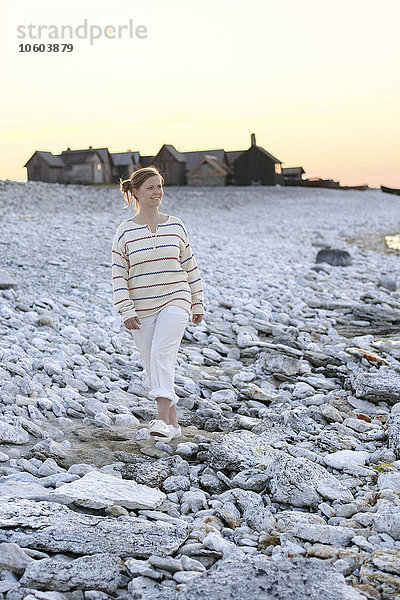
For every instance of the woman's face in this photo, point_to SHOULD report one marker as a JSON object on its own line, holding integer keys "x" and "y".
{"x": 151, "y": 192}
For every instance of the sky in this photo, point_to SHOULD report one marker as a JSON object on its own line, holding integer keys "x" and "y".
{"x": 317, "y": 81}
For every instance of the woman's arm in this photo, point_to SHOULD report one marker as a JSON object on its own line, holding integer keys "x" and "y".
{"x": 188, "y": 262}
{"x": 123, "y": 304}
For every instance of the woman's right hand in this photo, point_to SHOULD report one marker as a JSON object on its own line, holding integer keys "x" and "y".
{"x": 132, "y": 323}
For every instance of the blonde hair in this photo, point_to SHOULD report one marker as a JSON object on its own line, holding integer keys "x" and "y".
{"x": 137, "y": 179}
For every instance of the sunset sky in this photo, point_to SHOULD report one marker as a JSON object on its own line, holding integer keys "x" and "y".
{"x": 318, "y": 82}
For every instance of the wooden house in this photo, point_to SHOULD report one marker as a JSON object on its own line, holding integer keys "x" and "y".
{"x": 146, "y": 161}
{"x": 256, "y": 166}
{"x": 293, "y": 173}
{"x": 210, "y": 171}
{"x": 195, "y": 157}
{"x": 171, "y": 164}
{"x": 232, "y": 155}
{"x": 83, "y": 166}
{"x": 45, "y": 166}
{"x": 107, "y": 163}
{"x": 124, "y": 163}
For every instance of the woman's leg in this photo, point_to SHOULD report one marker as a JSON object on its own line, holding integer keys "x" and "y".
{"x": 173, "y": 417}
{"x": 143, "y": 338}
{"x": 168, "y": 332}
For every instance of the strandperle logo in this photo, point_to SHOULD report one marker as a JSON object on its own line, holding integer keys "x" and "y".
{"x": 85, "y": 31}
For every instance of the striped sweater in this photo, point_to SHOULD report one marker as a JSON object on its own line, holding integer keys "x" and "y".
{"x": 150, "y": 270}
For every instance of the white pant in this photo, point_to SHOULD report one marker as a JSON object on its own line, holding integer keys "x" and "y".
{"x": 158, "y": 341}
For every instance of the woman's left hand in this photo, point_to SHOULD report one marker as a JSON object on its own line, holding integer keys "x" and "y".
{"x": 197, "y": 318}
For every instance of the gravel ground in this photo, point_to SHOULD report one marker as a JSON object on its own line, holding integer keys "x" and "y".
{"x": 287, "y": 474}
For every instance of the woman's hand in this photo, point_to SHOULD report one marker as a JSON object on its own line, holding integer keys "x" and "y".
{"x": 197, "y": 318}
{"x": 132, "y": 323}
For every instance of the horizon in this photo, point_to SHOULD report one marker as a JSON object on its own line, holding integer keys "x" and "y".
{"x": 317, "y": 84}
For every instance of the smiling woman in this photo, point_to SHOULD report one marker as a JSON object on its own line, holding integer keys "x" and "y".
{"x": 157, "y": 287}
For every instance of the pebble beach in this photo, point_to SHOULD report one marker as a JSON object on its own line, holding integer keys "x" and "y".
{"x": 286, "y": 480}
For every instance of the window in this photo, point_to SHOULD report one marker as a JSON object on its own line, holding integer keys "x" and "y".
{"x": 99, "y": 166}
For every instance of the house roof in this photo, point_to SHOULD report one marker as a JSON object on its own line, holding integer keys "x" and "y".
{"x": 292, "y": 170}
{"x": 193, "y": 158}
{"x": 232, "y": 155}
{"x": 102, "y": 152}
{"x": 120, "y": 159}
{"x": 145, "y": 161}
{"x": 50, "y": 159}
{"x": 218, "y": 165}
{"x": 73, "y": 157}
{"x": 136, "y": 157}
{"x": 263, "y": 151}
{"x": 179, "y": 157}
{"x": 273, "y": 158}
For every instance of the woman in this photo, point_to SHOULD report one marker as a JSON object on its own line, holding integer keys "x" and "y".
{"x": 157, "y": 286}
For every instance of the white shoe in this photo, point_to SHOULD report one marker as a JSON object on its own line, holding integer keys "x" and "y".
{"x": 175, "y": 431}
{"x": 159, "y": 430}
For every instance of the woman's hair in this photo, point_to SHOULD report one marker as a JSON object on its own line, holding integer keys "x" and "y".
{"x": 137, "y": 179}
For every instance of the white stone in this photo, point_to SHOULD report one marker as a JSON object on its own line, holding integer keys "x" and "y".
{"x": 99, "y": 490}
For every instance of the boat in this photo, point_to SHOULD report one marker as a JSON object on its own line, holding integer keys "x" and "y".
{"x": 389, "y": 190}
{"x": 314, "y": 182}
{"x": 361, "y": 188}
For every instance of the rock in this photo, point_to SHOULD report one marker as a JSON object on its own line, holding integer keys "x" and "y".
{"x": 166, "y": 563}
{"x": 247, "y": 336}
{"x": 175, "y": 483}
{"x": 389, "y": 481}
{"x": 125, "y": 419}
{"x": 393, "y": 429}
{"x": 185, "y": 576}
{"x": 240, "y": 450}
{"x": 9, "y": 434}
{"x": 334, "y": 257}
{"x": 261, "y": 578}
{"x": 259, "y": 518}
{"x": 45, "y": 321}
{"x": 332, "y": 535}
{"x": 7, "y": 281}
{"x": 51, "y": 366}
{"x": 300, "y": 482}
{"x": 382, "y": 571}
{"x": 94, "y": 406}
{"x": 227, "y": 396}
{"x": 322, "y": 551}
{"x": 22, "y": 489}
{"x": 151, "y": 474}
{"x": 49, "y": 467}
{"x": 13, "y": 558}
{"x": 250, "y": 479}
{"x": 190, "y": 564}
{"x": 193, "y": 501}
{"x": 350, "y": 461}
{"x": 387, "y": 520}
{"x": 214, "y": 541}
{"x": 331, "y": 439}
{"x": 277, "y": 362}
{"x": 211, "y": 483}
{"x": 330, "y": 413}
{"x": 99, "y": 490}
{"x": 188, "y": 450}
{"x": 387, "y": 282}
{"x": 100, "y": 571}
{"x": 383, "y": 385}
{"x": 56, "y": 528}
